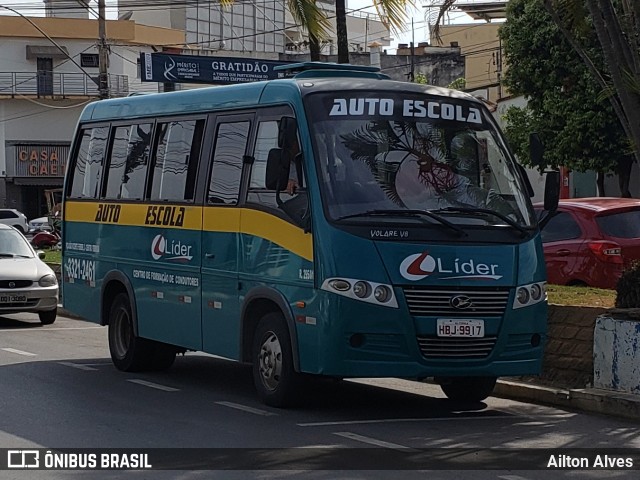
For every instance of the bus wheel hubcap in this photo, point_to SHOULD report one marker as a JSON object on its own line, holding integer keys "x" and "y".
{"x": 270, "y": 361}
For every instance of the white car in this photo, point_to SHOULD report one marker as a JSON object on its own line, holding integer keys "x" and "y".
{"x": 39, "y": 224}
{"x": 27, "y": 284}
{"x": 14, "y": 218}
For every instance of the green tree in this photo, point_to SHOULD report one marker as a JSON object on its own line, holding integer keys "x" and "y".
{"x": 392, "y": 12}
{"x": 615, "y": 25}
{"x": 580, "y": 131}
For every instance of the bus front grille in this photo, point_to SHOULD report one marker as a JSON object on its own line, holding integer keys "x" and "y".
{"x": 440, "y": 347}
{"x": 481, "y": 302}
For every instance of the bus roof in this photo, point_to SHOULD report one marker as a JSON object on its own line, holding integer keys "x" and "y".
{"x": 247, "y": 95}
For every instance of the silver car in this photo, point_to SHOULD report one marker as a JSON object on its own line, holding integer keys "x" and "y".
{"x": 27, "y": 284}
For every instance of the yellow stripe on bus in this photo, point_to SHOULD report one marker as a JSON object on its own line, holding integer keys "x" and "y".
{"x": 212, "y": 219}
{"x": 134, "y": 214}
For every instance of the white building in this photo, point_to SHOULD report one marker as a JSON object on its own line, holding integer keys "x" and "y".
{"x": 48, "y": 73}
{"x": 264, "y": 29}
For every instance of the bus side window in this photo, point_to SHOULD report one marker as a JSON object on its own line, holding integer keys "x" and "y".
{"x": 176, "y": 160}
{"x": 128, "y": 162}
{"x": 231, "y": 145}
{"x": 87, "y": 174}
{"x": 266, "y": 141}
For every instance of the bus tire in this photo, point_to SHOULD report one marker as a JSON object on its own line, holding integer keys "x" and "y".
{"x": 129, "y": 353}
{"x": 162, "y": 357}
{"x": 468, "y": 389}
{"x": 275, "y": 379}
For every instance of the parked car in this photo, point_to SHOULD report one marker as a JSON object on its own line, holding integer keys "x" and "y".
{"x": 591, "y": 240}
{"x": 14, "y": 218}
{"x": 39, "y": 224}
{"x": 27, "y": 284}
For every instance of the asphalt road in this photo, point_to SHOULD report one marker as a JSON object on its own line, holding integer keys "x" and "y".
{"x": 60, "y": 390}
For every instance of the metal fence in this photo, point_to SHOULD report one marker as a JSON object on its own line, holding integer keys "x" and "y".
{"x": 55, "y": 84}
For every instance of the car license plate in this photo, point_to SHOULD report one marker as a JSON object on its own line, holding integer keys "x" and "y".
{"x": 460, "y": 328}
{"x": 12, "y": 298}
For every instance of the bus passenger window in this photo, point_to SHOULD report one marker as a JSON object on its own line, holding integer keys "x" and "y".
{"x": 128, "y": 162}
{"x": 176, "y": 160}
{"x": 87, "y": 174}
{"x": 267, "y": 139}
{"x": 231, "y": 145}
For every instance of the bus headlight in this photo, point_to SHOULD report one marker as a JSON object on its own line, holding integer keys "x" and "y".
{"x": 531, "y": 294}
{"x": 382, "y": 293}
{"x": 362, "y": 290}
{"x": 340, "y": 285}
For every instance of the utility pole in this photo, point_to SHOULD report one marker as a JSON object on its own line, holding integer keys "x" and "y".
{"x": 103, "y": 52}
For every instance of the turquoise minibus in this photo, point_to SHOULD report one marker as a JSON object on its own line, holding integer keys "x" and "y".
{"x": 333, "y": 223}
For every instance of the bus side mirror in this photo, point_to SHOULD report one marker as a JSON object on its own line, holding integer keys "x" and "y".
{"x": 287, "y": 131}
{"x": 536, "y": 150}
{"x": 552, "y": 191}
{"x": 277, "y": 174}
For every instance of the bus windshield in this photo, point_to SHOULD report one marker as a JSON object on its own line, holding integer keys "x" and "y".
{"x": 384, "y": 153}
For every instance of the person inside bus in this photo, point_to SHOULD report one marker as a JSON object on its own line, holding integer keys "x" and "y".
{"x": 293, "y": 152}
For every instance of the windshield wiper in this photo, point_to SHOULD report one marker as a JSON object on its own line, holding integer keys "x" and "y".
{"x": 407, "y": 213}
{"x": 7, "y": 255}
{"x": 486, "y": 211}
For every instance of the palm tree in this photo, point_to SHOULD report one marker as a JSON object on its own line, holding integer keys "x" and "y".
{"x": 392, "y": 12}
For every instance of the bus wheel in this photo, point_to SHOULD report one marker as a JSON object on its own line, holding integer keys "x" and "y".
{"x": 274, "y": 377}
{"x": 467, "y": 389}
{"x": 162, "y": 357}
{"x": 128, "y": 352}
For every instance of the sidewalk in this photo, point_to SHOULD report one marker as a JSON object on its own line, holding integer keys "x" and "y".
{"x": 593, "y": 400}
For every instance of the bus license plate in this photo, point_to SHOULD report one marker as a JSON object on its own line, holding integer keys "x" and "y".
{"x": 12, "y": 298}
{"x": 460, "y": 328}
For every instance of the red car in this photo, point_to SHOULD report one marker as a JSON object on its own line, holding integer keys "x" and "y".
{"x": 590, "y": 240}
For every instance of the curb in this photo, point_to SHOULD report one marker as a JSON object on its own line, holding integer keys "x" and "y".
{"x": 593, "y": 400}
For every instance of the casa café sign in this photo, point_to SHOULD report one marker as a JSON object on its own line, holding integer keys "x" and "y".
{"x": 41, "y": 160}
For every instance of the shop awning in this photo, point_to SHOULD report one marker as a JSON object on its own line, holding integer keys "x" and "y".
{"x": 35, "y": 181}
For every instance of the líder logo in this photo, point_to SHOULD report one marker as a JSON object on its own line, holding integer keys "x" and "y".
{"x": 173, "y": 250}
{"x": 420, "y": 265}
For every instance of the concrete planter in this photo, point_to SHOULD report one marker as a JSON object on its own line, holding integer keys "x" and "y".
{"x": 616, "y": 351}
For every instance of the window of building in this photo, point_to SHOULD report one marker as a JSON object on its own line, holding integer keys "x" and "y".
{"x": 176, "y": 160}
{"x": 87, "y": 174}
{"x": 90, "y": 60}
{"x": 231, "y": 144}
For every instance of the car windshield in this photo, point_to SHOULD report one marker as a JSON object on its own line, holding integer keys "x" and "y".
{"x": 13, "y": 244}
{"x": 380, "y": 153}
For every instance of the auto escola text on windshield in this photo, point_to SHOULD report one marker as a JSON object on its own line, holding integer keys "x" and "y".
{"x": 410, "y": 108}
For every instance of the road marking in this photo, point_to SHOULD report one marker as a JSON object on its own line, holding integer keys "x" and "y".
{"x": 512, "y": 477}
{"x": 79, "y": 366}
{"x": 394, "y": 420}
{"x": 244, "y": 408}
{"x": 20, "y": 352}
{"x": 373, "y": 441}
{"x": 153, "y": 385}
{"x": 46, "y": 329}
